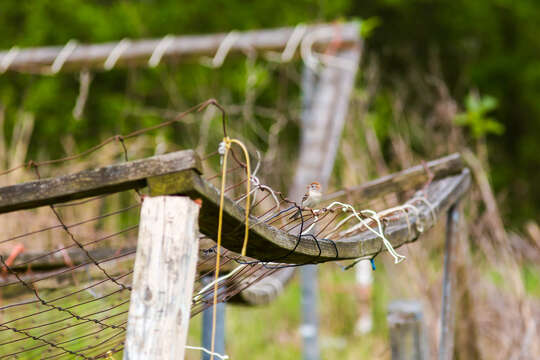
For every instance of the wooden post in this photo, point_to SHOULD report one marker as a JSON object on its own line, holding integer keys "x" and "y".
{"x": 407, "y": 339}
{"x": 163, "y": 279}
{"x": 446, "y": 341}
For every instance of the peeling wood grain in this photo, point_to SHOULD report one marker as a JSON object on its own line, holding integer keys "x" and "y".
{"x": 163, "y": 279}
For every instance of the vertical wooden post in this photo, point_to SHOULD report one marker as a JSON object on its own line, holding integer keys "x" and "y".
{"x": 446, "y": 341}
{"x": 163, "y": 279}
{"x": 407, "y": 338}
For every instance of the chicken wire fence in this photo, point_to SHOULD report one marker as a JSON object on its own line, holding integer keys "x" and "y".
{"x": 67, "y": 268}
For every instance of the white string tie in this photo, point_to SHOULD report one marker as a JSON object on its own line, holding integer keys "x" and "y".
{"x": 429, "y": 205}
{"x": 315, "y": 218}
{"x": 7, "y": 59}
{"x": 222, "y": 50}
{"x": 160, "y": 49}
{"x": 62, "y": 56}
{"x": 222, "y": 357}
{"x": 312, "y": 61}
{"x": 380, "y": 233}
{"x": 220, "y": 279}
{"x": 293, "y": 42}
{"x": 115, "y": 54}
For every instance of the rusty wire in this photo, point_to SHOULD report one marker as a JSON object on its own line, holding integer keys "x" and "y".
{"x": 95, "y": 307}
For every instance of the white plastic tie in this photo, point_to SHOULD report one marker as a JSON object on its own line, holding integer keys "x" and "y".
{"x": 62, "y": 56}
{"x": 115, "y": 54}
{"x": 293, "y": 42}
{"x": 222, "y": 147}
{"x": 7, "y": 59}
{"x": 160, "y": 49}
{"x": 223, "y": 50}
{"x": 312, "y": 61}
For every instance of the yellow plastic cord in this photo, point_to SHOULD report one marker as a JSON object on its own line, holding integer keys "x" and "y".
{"x": 228, "y": 143}
{"x": 248, "y": 191}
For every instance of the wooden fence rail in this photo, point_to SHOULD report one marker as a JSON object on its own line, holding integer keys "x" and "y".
{"x": 178, "y": 173}
{"x": 136, "y": 52}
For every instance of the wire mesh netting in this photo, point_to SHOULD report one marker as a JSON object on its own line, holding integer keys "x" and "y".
{"x": 67, "y": 268}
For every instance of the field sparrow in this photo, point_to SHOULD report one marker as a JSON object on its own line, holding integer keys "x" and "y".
{"x": 311, "y": 198}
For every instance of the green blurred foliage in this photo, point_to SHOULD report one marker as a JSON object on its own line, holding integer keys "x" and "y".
{"x": 489, "y": 45}
{"x": 475, "y": 117}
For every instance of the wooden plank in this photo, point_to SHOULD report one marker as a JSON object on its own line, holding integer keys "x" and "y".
{"x": 50, "y": 260}
{"x": 265, "y": 290}
{"x": 268, "y": 243}
{"x": 163, "y": 279}
{"x": 139, "y": 51}
{"x": 406, "y": 179}
{"x": 104, "y": 180}
{"x": 53, "y": 259}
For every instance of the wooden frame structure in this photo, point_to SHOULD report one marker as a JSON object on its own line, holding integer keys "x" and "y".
{"x": 138, "y": 52}
{"x": 179, "y": 173}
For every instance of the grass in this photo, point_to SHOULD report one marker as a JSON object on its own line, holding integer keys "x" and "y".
{"x": 272, "y": 331}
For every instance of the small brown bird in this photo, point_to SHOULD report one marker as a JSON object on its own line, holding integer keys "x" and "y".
{"x": 311, "y": 198}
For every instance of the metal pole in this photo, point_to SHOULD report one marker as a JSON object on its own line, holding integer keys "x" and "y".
{"x": 325, "y": 102}
{"x": 310, "y": 315}
{"x": 446, "y": 342}
{"x": 219, "y": 346}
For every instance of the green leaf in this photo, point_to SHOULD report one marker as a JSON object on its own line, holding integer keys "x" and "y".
{"x": 474, "y": 117}
{"x": 367, "y": 26}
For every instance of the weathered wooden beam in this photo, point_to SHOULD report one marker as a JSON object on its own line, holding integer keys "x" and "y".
{"x": 104, "y": 180}
{"x": 265, "y": 290}
{"x": 268, "y": 243}
{"x": 119, "y": 263}
{"x": 163, "y": 279}
{"x": 407, "y": 179}
{"x": 50, "y": 260}
{"x": 139, "y": 51}
{"x": 40, "y": 261}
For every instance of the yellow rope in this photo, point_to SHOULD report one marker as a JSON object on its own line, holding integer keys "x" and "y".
{"x": 228, "y": 143}
{"x": 248, "y": 190}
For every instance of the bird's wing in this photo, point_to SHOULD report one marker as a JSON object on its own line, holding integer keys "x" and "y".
{"x": 305, "y": 197}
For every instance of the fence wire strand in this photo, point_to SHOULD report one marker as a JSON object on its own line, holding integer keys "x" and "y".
{"x": 67, "y": 294}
